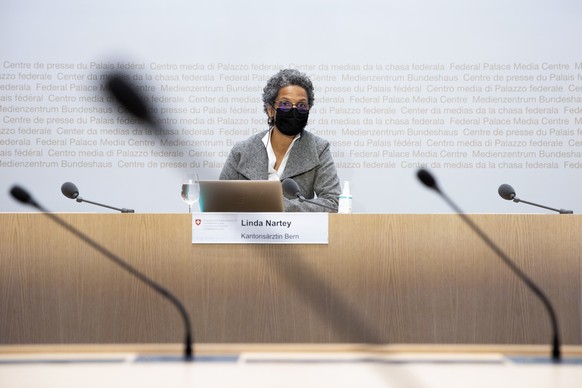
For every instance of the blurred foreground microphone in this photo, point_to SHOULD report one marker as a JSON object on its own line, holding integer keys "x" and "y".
{"x": 428, "y": 180}
{"x": 69, "y": 190}
{"x": 129, "y": 98}
{"x": 292, "y": 188}
{"x": 507, "y": 192}
{"x": 23, "y": 196}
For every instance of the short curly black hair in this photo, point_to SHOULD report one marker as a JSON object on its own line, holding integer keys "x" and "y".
{"x": 286, "y": 77}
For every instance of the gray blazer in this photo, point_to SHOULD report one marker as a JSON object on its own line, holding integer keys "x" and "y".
{"x": 310, "y": 164}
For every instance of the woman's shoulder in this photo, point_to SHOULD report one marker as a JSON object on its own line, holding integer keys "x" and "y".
{"x": 317, "y": 140}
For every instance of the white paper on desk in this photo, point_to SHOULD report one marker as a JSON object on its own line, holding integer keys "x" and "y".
{"x": 260, "y": 228}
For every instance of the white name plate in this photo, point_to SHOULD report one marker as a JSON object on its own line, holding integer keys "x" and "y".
{"x": 259, "y": 228}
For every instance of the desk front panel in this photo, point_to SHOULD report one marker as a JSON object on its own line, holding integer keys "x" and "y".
{"x": 381, "y": 279}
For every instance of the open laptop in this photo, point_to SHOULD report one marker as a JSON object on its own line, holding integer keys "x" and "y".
{"x": 241, "y": 196}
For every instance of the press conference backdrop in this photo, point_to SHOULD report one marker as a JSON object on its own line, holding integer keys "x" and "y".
{"x": 481, "y": 92}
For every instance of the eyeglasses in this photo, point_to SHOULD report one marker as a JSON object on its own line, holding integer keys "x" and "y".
{"x": 286, "y": 106}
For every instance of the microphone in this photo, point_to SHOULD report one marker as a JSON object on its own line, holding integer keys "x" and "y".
{"x": 70, "y": 190}
{"x": 507, "y": 192}
{"x": 129, "y": 98}
{"x": 428, "y": 180}
{"x": 24, "y": 197}
{"x": 292, "y": 188}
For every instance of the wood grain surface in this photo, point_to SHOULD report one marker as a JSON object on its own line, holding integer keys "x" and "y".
{"x": 382, "y": 279}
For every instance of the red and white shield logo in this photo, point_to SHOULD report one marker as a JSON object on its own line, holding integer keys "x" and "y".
{"x": 197, "y": 221}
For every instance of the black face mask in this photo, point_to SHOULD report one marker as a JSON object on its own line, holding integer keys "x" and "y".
{"x": 292, "y": 122}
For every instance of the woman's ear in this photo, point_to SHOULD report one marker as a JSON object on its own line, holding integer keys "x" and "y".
{"x": 271, "y": 115}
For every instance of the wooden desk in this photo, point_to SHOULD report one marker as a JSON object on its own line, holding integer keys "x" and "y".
{"x": 381, "y": 279}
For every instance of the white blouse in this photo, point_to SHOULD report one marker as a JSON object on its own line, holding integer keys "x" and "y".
{"x": 275, "y": 175}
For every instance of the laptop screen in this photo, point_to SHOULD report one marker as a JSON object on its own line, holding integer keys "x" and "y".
{"x": 241, "y": 196}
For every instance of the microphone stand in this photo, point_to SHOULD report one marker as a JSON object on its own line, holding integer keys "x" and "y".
{"x": 123, "y": 210}
{"x": 303, "y": 199}
{"x": 556, "y": 354}
{"x": 23, "y": 196}
{"x": 561, "y": 211}
{"x": 292, "y": 188}
{"x": 427, "y": 179}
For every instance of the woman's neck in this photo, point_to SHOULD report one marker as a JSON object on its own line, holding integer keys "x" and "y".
{"x": 280, "y": 142}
